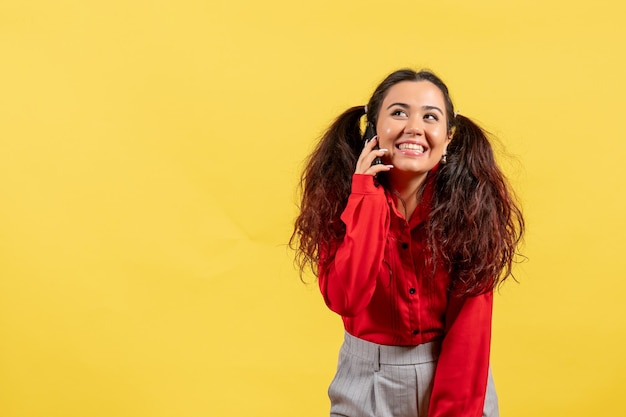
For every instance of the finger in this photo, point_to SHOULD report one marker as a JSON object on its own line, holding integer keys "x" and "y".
{"x": 376, "y": 169}
{"x": 366, "y": 160}
{"x": 369, "y": 145}
{"x": 376, "y": 154}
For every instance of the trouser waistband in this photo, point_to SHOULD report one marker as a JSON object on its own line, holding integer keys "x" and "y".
{"x": 391, "y": 355}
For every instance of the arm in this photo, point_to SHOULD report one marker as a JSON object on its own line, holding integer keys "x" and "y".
{"x": 461, "y": 377}
{"x": 347, "y": 278}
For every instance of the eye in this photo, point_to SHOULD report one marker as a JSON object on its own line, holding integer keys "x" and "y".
{"x": 398, "y": 112}
{"x": 431, "y": 116}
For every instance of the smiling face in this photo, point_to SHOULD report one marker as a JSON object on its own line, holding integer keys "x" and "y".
{"x": 412, "y": 125}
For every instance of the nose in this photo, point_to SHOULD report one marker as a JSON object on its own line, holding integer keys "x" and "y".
{"x": 414, "y": 126}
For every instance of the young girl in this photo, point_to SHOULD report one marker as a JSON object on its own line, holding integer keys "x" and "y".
{"x": 409, "y": 251}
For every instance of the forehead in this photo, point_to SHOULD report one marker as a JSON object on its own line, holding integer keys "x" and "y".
{"x": 415, "y": 92}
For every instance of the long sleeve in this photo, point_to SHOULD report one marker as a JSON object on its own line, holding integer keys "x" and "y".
{"x": 348, "y": 278}
{"x": 461, "y": 377}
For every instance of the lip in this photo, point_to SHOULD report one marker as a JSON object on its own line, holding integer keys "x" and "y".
{"x": 410, "y": 152}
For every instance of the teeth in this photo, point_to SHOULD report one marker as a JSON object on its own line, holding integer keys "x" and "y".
{"x": 411, "y": 146}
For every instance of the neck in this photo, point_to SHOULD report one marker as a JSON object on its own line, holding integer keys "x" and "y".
{"x": 408, "y": 192}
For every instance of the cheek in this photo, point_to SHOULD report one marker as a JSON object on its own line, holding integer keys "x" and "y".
{"x": 439, "y": 137}
{"x": 385, "y": 135}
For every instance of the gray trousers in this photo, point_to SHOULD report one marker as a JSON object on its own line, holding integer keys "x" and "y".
{"x": 389, "y": 381}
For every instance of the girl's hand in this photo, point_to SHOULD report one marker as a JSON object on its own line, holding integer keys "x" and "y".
{"x": 364, "y": 163}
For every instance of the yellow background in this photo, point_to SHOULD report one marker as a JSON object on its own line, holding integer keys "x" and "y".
{"x": 149, "y": 157}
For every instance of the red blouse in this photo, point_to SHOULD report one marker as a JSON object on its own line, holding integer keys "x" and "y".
{"x": 381, "y": 283}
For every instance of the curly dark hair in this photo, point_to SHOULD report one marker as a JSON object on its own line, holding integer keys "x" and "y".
{"x": 475, "y": 224}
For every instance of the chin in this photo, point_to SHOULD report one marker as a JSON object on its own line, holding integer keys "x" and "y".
{"x": 413, "y": 167}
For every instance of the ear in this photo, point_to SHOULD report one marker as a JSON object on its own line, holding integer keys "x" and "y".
{"x": 451, "y": 133}
{"x": 448, "y": 140}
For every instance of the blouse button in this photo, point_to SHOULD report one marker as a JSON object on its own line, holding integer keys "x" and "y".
{"x": 405, "y": 245}
{"x": 412, "y": 291}
{"x": 416, "y": 331}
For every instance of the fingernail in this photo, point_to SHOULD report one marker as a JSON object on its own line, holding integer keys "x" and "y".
{"x": 384, "y": 150}
{"x": 389, "y": 166}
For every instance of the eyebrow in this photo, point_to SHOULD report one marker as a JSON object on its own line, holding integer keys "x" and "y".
{"x": 406, "y": 106}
